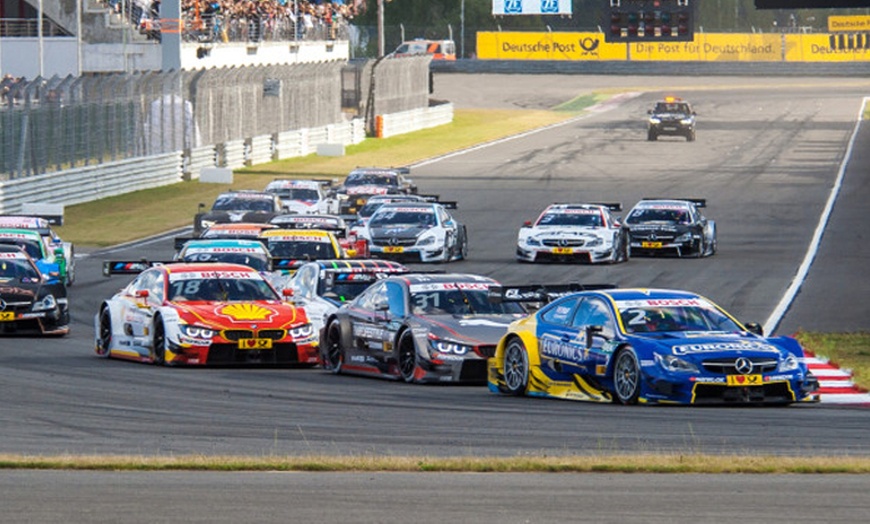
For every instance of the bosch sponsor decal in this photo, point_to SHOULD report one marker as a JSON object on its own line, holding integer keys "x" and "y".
{"x": 323, "y": 239}
{"x": 449, "y": 286}
{"x": 663, "y": 302}
{"x": 15, "y": 235}
{"x": 367, "y": 190}
{"x": 208, "y": 275}
{"x": 574, "y": 211}
{"x": 368, "y": 332}
{"x": 746, "y": 345}
{"x": 411, "y": 210}
{"x": 21, "y": 223}
{"x": 200, "y": 250}
{"x": 13, "y": 256}
{"x": 667, "y": 207}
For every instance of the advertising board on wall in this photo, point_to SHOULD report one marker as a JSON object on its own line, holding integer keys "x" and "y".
{"x": 531, "y": 7}
{"x": 706, "y": 47}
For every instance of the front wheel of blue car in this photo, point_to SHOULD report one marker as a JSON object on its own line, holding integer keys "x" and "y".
{"x": 626, "y": 377}
{"x": 516, "y": 367}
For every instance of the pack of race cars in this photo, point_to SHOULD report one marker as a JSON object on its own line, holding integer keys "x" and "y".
{"x": 292, "y": 284}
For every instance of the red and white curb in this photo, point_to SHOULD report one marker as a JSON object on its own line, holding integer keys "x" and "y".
{"x": 835, "y": 384}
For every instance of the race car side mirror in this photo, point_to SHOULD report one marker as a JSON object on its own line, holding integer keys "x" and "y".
{"x": 591, "y": 331}
{"x": 201, "y": 207}
{"x": 649, "y": 112}
{"x": 142, "y": 293}
{"x": 527, "y": 223}
{"x": 287, "y": 292}
{"x": 754, "y": 327}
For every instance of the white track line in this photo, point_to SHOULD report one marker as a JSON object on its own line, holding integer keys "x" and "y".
{"x": 804, "y": 269}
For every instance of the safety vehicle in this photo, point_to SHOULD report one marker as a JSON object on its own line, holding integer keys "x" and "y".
{"x": 654, "y": 346}
{"x": 201, "y": 314}
{"x": 661, "y": 226}
{"x": 671, "y": 117}
{"x": 575, "y": 233}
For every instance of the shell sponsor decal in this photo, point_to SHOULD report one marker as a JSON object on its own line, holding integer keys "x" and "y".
{"x": 246, "y": 312}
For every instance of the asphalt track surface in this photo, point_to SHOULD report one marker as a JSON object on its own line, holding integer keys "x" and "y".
{"x": 767, "y": 155}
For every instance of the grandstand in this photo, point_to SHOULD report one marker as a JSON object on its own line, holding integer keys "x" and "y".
{"x": 110, "y": 36}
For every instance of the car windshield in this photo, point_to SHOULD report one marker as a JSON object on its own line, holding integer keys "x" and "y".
{"x": 371, "y": 179}
{"x": 298, "y": 193}
{"x": 666, "y": 107}
{"x": 220, "y": 289}
{"x": 31, "y": 247}
{"x": 686, "y": 315}
{"x": 17, "y": 269}
{"x": 570, "y": 218}
{"x": 258, "y": 261}
{"x": 237, "y": 203}
{"x": 654, "y": 214}
{"x": 302, "y": 250}
{"x": 460, "y": 302}
{"x": 419, "y": 217}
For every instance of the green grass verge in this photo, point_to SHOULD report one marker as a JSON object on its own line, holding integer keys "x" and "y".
{"x": 644, "y": 463}
{"x": 149, "y": 212}
{"x": 846, "y": 350}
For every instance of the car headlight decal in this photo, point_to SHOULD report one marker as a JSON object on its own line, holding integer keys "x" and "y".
{"x": 447, "y": 347}
{"x": 47, "y": 303}
{"x": 675, "y": 364}
{"x": 302, "y": 332}
{"x": 426, "y": 241}
{"x": 789, "y": 363}
{"x": 197, "y": 332}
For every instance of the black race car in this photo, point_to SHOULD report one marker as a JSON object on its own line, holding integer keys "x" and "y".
{"x": 673, "y": 117}
{"x": 28, "y": 302}
{"x": 364, "y": 182}
{"x": 238, "y": 206}
{"x": 419, "y": 328}
{"x": 671, "y": 226}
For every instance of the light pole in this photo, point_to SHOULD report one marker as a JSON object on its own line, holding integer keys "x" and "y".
{"x": 380, "y": 28}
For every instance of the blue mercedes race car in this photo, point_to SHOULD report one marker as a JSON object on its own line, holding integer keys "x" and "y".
{"x": 634, "y": 346}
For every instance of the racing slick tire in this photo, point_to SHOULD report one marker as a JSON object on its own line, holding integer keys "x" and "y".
{"x": 515, "y": 367}
{"x": 463, "y": 246}
{"x": 158, "y": 342}
{"x": 407, "y": 356}
{"x": 621, "y": 253}
{"x": 652, "y": 136}
{"x": 626, "y": 377}
{"x": 690, "y": 136}
{"x": 332, "y": 356}
{"x": 104, "y": 344}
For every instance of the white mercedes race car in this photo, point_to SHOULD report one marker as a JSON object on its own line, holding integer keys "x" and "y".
{"x": 301, "y": 196}
{"x": 575, "y": 233}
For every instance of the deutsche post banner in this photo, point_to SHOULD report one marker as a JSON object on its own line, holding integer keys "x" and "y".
{"x": 848, "y": 23}
{"x": 547, "y": 46}
{"x": 835, "y": 47}
{"x": 712, "y": 47}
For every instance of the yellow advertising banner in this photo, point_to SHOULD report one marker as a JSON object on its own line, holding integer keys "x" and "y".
{"x": 837, "y": 47}
{"x": 848, "y": 23}
{"x": 547, "y": 46}
{"x": 712, "y": 47}
{"x": 707, "y": 47}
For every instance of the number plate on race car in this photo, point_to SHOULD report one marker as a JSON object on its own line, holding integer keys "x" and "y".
{"x": 393, "y": 249}
{"x": 562, "y": 250}
{"x": 745, "y": 380}
{"x": 654, "y": 245}
{"x": 7, "y": 316}
{"x": 255, "y": 343}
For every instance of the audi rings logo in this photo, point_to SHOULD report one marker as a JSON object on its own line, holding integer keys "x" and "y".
{"x": 743, "y": 366}
{"x": 2, "y": 305}
{"x": 393, "y": 241}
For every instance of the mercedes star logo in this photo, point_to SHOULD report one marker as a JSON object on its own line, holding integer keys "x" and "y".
{"x": 563, "y": 242}
{"x": 2, "y": 305}
{"x": 653, "y": 236}
{"x": 394, "y": 241}
{"x": 743, "y": 366}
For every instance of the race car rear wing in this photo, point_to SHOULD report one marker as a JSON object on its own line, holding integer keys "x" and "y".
{"x": 128, "y": 267}
{"x": 539, "y": 292}
{"x": 613, "y": 206}
{"x": 699, "y": 202}
{"x": 448, "y": 204}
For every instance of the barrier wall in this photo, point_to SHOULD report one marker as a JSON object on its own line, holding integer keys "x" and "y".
{"x": 706, "y": 47}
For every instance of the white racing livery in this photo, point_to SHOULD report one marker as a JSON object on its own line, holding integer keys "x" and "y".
{"x": 301, "y": 196}
{"x": 416, "y": 232}
{"x": 575, "y": 233}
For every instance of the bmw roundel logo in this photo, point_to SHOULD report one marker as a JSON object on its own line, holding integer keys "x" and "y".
{"x": 743, "y": 366}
